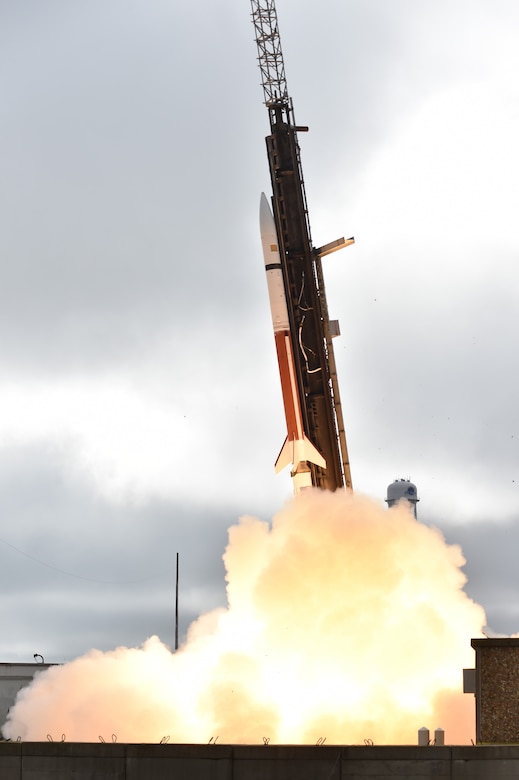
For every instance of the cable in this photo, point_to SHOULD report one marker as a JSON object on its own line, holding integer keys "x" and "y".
{"x": 79, "y": 576}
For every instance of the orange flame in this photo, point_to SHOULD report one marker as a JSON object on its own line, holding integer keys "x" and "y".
{"x": 345, "y": 621}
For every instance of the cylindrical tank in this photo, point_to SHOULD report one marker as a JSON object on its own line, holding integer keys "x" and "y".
{"x": 439, "y": 737}
{"x": 423, "y": 736}
{"x": 402, "y": 489}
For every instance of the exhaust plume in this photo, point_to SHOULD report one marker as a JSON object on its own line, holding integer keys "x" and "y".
{"x": 345, "y": 622}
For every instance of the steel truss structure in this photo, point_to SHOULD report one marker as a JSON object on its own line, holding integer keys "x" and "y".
{"x": 310, "y": 326}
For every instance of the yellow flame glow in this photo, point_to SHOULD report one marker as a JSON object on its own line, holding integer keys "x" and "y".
{"x": 344, "y": 621}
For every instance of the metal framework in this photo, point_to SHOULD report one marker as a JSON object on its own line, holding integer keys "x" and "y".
{"x": 302, "y": 270}
{"x": 270, "y": 57}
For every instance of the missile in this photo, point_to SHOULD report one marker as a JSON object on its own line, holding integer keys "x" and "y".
{"x": 297, "y": 449}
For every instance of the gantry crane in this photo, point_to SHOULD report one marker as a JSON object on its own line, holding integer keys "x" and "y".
{"x": 311, "y": 330}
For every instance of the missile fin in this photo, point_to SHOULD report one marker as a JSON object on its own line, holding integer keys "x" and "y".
{"x": 312, "y": 454}
{"x": 285, "y": 457}
{"x": 295, "y": 451}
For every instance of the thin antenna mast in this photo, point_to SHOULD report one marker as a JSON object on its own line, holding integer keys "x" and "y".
{"x": 176, "y": 608}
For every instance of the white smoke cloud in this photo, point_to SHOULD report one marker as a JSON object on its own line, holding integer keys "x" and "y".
{"x": 345, "y": 621}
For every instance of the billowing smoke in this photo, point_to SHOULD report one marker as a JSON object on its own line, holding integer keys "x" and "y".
{"x": 345, "y": 622}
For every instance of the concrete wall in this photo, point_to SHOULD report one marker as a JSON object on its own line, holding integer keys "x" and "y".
{"x": 82, "y": 761}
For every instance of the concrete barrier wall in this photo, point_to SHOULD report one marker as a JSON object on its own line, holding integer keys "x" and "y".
{"x": 83, "y": 761}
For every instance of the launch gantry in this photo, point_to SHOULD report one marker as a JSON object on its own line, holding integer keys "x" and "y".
{"x": 311, "y": 329}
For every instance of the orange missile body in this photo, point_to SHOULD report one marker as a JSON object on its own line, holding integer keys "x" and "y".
{"x": 297, "y": 449}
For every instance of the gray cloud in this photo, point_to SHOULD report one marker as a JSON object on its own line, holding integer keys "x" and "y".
{"x": 489, "y": 549}
{"x": 78, "y": 572}
{"x": 115, "y": 193}
{"x": 129, "y": 255}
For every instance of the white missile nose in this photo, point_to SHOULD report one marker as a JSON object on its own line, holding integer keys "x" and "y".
{"x": 267, "y": 225}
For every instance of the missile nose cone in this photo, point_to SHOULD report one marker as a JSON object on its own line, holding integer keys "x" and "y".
{"x": 264, "y": 206}
{"x": 267, "y": 226}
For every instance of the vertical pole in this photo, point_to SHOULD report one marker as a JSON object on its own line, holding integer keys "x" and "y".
{"x": 176, "y": 609}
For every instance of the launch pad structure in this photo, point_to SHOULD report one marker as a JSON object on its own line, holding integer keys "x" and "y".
{"x": 311, "y": 330}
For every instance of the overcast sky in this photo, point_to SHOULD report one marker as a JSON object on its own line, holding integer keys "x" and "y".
{"x": 140, "y": 410}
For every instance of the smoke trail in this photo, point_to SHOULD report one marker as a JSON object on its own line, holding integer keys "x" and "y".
{"x": 344, "y": 620}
